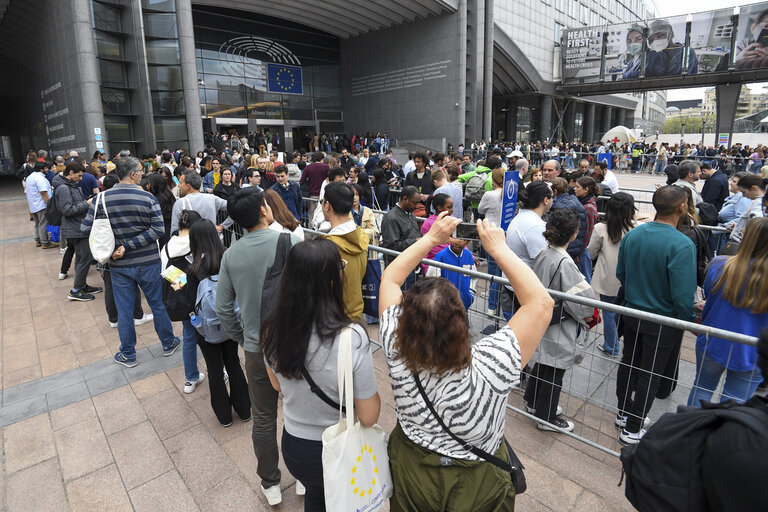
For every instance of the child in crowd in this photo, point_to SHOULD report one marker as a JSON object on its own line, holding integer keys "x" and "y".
{"x": 458, "y": 255}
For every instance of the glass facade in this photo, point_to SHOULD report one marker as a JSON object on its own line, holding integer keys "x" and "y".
{"x": 240, "y": 59}
{"x": 115, "y": 94}
{"x": 161, "y": 40}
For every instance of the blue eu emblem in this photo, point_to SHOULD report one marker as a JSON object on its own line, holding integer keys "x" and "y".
{"x": 284, "y": 78}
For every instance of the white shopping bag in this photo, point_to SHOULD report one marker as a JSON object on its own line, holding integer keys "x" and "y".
{"x": 355, "y": 461}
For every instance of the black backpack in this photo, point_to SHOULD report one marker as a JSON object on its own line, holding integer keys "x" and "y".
{"x": 664, "y": 469}
{"x": 178, "y": 303}
{"x": 52, "y": 212}
{"x": 708, "y": 214}
{"x": 699, "y": 238}
{"x": 272, "y": 278}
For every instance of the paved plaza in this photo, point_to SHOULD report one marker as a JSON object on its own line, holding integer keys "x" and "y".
{"x": 81, "y": 433}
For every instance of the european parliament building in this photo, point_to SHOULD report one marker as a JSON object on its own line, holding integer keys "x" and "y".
{"x": 143, "y": 74}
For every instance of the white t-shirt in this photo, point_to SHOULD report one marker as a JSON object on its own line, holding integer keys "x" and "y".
{"x": 611, "y": 181}
{"x": 471, "y": 402}
{"x": 276, "y": 226}
{"x": 525, "y": 236}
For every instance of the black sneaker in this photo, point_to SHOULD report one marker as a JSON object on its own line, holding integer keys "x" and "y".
{"x": 170, "y": 350}
{"x": 559, "y": 422}
{"x": 80, "y": 295}
{"x": 93, "y": 289}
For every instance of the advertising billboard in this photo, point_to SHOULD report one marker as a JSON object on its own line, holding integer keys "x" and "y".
{"x": 704, "y": 43}
{"x": 752, "y": 38}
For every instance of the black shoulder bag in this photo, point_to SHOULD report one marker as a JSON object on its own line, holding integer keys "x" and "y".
{"x": 319, "y": 392}
{"x": 514, "y": 467}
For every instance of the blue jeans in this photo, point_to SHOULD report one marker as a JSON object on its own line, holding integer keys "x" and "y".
{"x": 660, "y": 166}
{"x": 189, "y": 351}
{"x": 585, "y": 265}
{"x": 493, "y": 293}
{"x": 739, "y": 386}
{"x": 610, "y": 323}
{"x": 124, "y": 281}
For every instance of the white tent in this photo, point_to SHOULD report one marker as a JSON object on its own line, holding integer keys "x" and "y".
{"x": 619, "y": 135}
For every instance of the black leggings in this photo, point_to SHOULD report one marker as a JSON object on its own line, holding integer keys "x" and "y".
{"x": 304, "y": 459}
{"x": 217, "y": 357}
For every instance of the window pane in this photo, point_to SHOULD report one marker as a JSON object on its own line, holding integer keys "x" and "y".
{"x": 170, "y": 129}
{"x": 108, "y": 45}
{"x": 160, "y": 25}
{"x": 165, "y": 77}
{"x": 112, "y": 73}
{"x": 115, "y": 101}
{"x": 118, "y": 128}
{"x": 106, "y": 17}
{"x": 163, "y": 52}
{"x": 159, "y": 5}
{"x": 168, "y": 103}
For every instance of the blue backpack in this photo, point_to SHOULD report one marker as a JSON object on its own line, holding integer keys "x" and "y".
{"x": 205, "y": 308}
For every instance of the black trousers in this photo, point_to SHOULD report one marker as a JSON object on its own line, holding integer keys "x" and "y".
{"x": 83, "y": 259}
{"x": 304, "y": 459}
{"x": 543, "y": 390}
{"x": 217, "y": 357}
{"x": 66, "y": 260}
{"x": 109, "y": 299}
{"x": 649, "y": 352}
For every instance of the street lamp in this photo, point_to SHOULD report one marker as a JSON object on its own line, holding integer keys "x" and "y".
{"x": 682, "y": 133}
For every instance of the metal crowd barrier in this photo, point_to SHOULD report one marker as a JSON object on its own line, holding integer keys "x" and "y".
{"x": 588, "y": 396}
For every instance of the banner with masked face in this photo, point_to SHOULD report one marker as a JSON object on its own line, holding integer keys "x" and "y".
{"x": 751, "y": 50}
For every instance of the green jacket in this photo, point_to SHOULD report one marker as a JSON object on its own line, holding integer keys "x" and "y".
{"x": 464, "y": 178}
{"x": 241, "y": 276}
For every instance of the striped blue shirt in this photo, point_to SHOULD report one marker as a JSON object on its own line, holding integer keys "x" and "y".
{"x": 137, "y": 222}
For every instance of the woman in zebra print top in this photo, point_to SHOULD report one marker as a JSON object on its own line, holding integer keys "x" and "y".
{"x": 425, "y": 333}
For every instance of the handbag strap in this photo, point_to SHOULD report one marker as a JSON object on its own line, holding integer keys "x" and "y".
{"x": 474, "y": 449}
{"x": 344, "y": 365}
{"x": 103, "y": 205}
{"x": 319, "y": 392}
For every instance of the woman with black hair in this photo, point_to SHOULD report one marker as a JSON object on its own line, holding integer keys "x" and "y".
{"x": 671, "y": 172}
{"x": 158, "y": 187}
{"x": 365, "y": 183}
{"x": 206, "y": 250}
{"x": 586, "y": 190}
{"x": 297, "y": 346}
{"x": 604, "y": 247}
{"x": 563, "y": 343}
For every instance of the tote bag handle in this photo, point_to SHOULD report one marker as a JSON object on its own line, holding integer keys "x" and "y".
{"x": 344, "y": 364}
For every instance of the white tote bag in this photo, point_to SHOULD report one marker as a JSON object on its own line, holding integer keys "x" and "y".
{"x": 102, "y": 239}
{"x": 355, "y": 461}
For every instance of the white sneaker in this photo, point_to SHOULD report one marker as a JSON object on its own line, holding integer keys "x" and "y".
{"x": 274, "y": 495}
{"x": 621, "y": 421}
{"x": 190, "y": 386}
{"x": 226, "y": 376}
{"x": 146, "y": 318}
{"x": 300, "y": 489}
{"x": 531, "y": 410}
{"x": 626, "y": 438}
{"x": 62, "y": 276}
{"x": 62, "y": 250}
{"x": 113, "y": 324}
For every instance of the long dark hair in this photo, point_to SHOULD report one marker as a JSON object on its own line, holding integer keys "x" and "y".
{"x": 365, "y": 183}
{"x": 313, "y": 269}
{"x": 619, "y": 215}
{"x": 206, "y": 248}
{"x": 158, "y": 186}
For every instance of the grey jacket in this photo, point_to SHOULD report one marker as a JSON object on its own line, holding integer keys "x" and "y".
{"x": 399, "y": 230}
{"x": 563, "y": 343}
{"x": 73, "y": 208}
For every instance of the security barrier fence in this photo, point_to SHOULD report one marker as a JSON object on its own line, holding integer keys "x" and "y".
{"x": 589, "y": 389}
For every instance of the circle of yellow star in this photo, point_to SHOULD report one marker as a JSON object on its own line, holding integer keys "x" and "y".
{"x": 358, "y": 488}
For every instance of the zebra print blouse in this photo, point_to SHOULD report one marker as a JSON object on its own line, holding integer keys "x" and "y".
{"x": 470, "y": 402}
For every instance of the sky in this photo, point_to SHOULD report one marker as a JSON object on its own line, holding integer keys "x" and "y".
{"x": 667, "y": 8}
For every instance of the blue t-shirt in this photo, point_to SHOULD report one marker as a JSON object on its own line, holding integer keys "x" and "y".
{"x": 87, "y": 184}
{"x": 720, "y": 313}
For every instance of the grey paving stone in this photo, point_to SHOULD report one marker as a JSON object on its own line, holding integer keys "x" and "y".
{"x": 66, "y": 396}
{"x": 107, "y": 382}
{"x": 41, "y": 386}
{"x": 147, "y": 368}
{"x": 100, "y": 368}
{"x": 22, "y": 410}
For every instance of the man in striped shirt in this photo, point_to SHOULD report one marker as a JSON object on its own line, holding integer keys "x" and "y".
{"x": 137, "y": 223}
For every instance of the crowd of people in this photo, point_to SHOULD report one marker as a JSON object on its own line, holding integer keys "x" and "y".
{"x": 239, "y": 281}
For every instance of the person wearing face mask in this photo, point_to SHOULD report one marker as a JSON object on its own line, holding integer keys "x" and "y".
{"x": 634, "y": 52}
{"x": 752, "y": 52}
{"x": 664, "y": 56}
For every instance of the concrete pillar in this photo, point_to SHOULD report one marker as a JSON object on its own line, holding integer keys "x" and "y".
{"x": 488, "y": 70}
{"x": 189, "y": 75}
{"x": 727, "y": 98}
{"x": 569, "y": 121}
{"x": 87, "y": 66}
{"x": 605, "y": 125}
{"x": 511, "y": 128}
{"x": 621, "y": 117}
{"x": 589, "y": 123}
{"x": 545, "y": 118}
